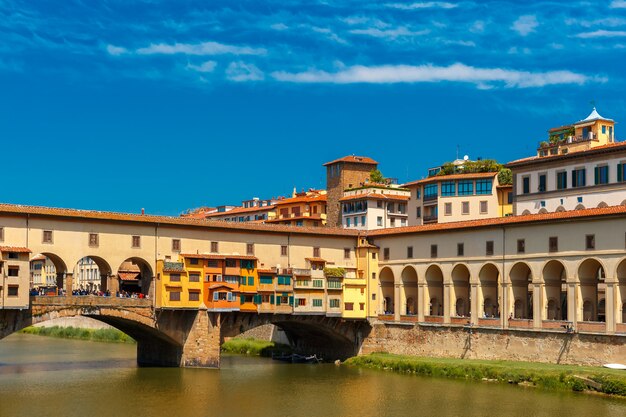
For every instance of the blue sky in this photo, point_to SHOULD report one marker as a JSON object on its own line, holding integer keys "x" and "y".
{"x": 167, "y": 105}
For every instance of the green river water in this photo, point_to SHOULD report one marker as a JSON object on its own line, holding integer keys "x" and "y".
{"x": 42, "y": 376}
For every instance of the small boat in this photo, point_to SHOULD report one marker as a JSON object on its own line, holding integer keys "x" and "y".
{"x": 614, "y": 366}
{"x": 296, "y": 358}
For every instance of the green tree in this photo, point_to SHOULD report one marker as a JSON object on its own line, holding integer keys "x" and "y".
{"x": 505, "y": 177}
{"x": 376, "y": 176}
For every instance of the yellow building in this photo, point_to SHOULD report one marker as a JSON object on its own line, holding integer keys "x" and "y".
{"x": 249, "y": 281}
{"x": 303, "y": 209}
{"x": 172, "y": 287}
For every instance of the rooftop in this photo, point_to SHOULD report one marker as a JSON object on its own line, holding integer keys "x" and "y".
{"x": 353, "y": 159}
{"x": 593, "y": 116}
{"x": 609, "y": 147}
{"x": 437, "y": 178}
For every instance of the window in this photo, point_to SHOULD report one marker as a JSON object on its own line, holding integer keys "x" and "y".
{"x": 561, "y": 180}
{"x": 392, "y": 222}
{"x": 356, "y": 221}
{"x": 265, "y": 280}
{"x": 509, "y": 198}
{"x": 318, "y": 283}
{"x": 193, "y": 261}
{"x": 316, "y": 252}
{"x": 214, "y": 247}
{"x": 93, "y": 239}
{"x": 283, "y": 250}
{"x": 317, "y": 302}
{"x": 194, "y": 277}
{"x": 174, "y": 277}
{"x": 13, "y": 271}
{"x": 525, "y": 185}
{"x": 466, "y": 187}
{"x": 14, "y": 255}
{"x": 47, "y": 236}
{"x": 1, "y": 234}
{"x": 13, "y": 290}
{"x": 379, "y": 221}
{"x": 521, "y": 246}
{"x": 542, "y": 183}
{"x": 362, "y": 220}
{"x": 430, "y": 191}
{"x": 590, "y": 242}
{"x": 578, "y": 177}
{"x": 174, "y": 295}
{"x": 301, "y": 302}
{"x": 483, "y": 187}
{"x": 348, "y": 306}
{"x": 433, "y": 251}
{"x": 409, "y": 252}
{"x": 553, "y": 244}
{"x": 489, "y": 248}
{"x": 602, "y": 175}
{"x": 418, "y": 213}
{"x": 386, "y": 254}
{"x": 230, "y": 263}
{"x": 194, "y": 296}
{"x": 379, "y": 204}
{"x": 333, "y": 283}
{"x": 136, "y": 242}
{"x": 348, "y": 222}
{"x": 447, "y": 209}
{"x": 465, "y": 209}
{"x": 250, "y": 248}
{"x": 460, "y": 249}
{"x": 250, "y": 281}
{"x": 621, "y": 170}
{"x": 346, "y": 253}
{"x": 373, "y": 255}
{"x": 447, "y": 189}
{"x": 417, "y": 193}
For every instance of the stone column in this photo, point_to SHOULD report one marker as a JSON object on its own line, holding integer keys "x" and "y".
{"x": 422, "y": 305}
{"x": 538, "y": 307}
{"x": 504, "y": 305}
{"x": 60, "y": 277}
{"x": 69, "y": 282}
{"x": 447, "y": 303}
{"x": 113, "y": 285}
{"x": 201, "y": 347}
{"x": 104, "y": 282}
{"x": 474, "y": 303}
{"x": 397, "y": 305}
{"x": 609, "y": 306}
{"x": 572, "y": 303}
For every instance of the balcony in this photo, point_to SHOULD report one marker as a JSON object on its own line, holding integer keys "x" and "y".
{"x": 301, "y": 272}
{"x": 430, "y": 198}
{"x": 303, "y": 284}
{"x": 431, "y": 219}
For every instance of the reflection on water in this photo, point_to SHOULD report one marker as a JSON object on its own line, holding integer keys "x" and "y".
{"x": 42, "y": 376}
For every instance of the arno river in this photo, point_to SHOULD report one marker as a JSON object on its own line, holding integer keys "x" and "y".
{"x": 41, "y": 376}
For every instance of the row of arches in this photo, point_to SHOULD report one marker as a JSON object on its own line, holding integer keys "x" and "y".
{"x": 50, "y": 272}
{"x": 551, "y": 295}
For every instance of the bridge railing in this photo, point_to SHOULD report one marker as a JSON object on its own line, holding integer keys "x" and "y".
{"x": 90, "y": 300}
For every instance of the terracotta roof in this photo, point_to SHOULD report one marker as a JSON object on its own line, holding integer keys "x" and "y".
{"x": 202, "y": 256}
{"x": 219, "y": 285}
{"x": 504, "y": 221}
{"x": 353, "y": 159}
{"x": 39, "y": 258}
{"x": 302, "y": 199}
{"x": 18, "y": 249}
{"x": 610, "y": 147}
{"x": 286, "y": 219}
{"x": 128, "y": 276}
{"x": 375, "y": 196}
{"x": 239, "y": 210}
{"x": 266, "y": 271}
{"x": 14, "y": 209}
{"x": 437, "y": 178}
{"x": 253, "y": 258}
{"x": 315, "y": 259}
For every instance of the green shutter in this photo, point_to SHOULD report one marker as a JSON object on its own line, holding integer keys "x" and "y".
{"x": 596, "y": 170}
{"x": 277, "y": 300}
{"x": 272, "y": 299}
{"x": 620, "y": 172}
{"x": 250, "y": 280}
{"x": 291, "y": 301}
{"x": 243, "y": 299}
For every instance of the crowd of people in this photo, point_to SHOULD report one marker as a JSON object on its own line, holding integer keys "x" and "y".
{"x": 53, "y": 291}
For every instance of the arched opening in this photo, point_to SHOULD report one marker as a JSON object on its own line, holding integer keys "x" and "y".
{"x": 602, "y": 204}
{"x": 387, "y": 291}
{"x": 47, "y": 274}
{"x": 434, "y": 290}
{"x": 555, "y": 277}
{"x": 521, "y": 285}
{"x": 409, "y": 289}
{"x": 621, "y": 290}
{"x": 560, "y": 209}
{"x": 592, "y": 289}
{"x": 579, "y": 207}
{"x": 525, "y": 212}
{"x": 135, "y": 278}
{"x": 542, "y": 211}
{"x": 488, "y": 291}
{"x": 461, "y": 290}
{"x": 90, "y": 276}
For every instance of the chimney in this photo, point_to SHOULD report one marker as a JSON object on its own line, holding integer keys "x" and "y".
{"x": 143, "y": 211}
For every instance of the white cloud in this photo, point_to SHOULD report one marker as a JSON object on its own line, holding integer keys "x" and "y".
{"x": 477, "y": 27}
{"x": 208, "y": 66}
{"x": 241, "y": 71}
{"x": 279, "y": 26}
{"x": 605, "y": 22}
{"x": 422, "y": 5}
{"x": 602, "y": 34}
{"x": 362, "y": 20}
{"x": 204, "y": 48}
{"x": 389, "y": 33}
{"x": 460, "y": 43}
{"x": 618, "y": 4}
{"x": 481, "y": 77}
{"x": 525, "y": 24}
{"x": 328, "y": 33}
{"x": 116, "y": 50}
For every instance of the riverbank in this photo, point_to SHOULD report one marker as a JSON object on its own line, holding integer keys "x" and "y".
{"x": 541, "y": 375}
{"x": 254, "y": 347}
{"x": 95, "y": 335}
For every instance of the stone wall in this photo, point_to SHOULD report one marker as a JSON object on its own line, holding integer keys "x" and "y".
{"x": 78, "y": 322}
{"x": 266, "y": 332}
{"x": 495, "y": 344}
{"x": 352, "y": 175}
